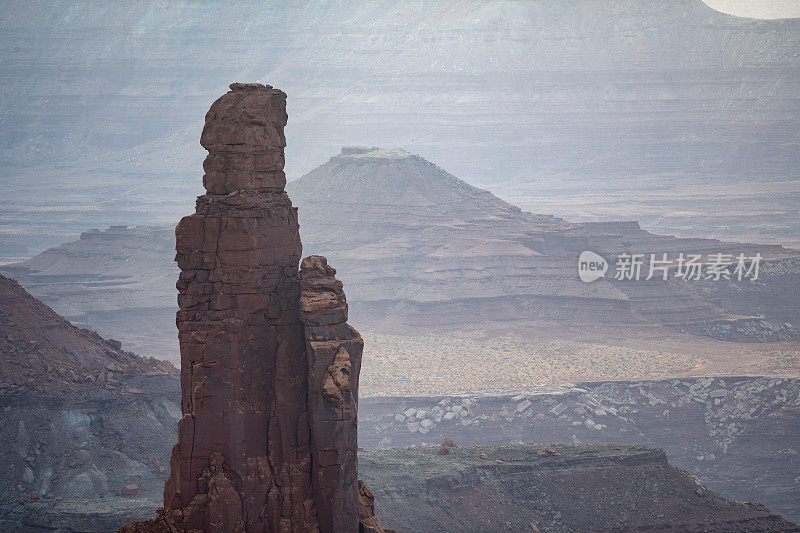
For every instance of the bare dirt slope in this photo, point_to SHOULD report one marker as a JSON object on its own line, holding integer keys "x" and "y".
{"x": 79, "y": 417}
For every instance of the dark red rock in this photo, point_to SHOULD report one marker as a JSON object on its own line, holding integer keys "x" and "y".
{"x": 366, "y": 510}
{"x": 131, "y": 489}
{"x": 547, "y": 452}
{"x": 269, "y": 379}
{"x": 45, "y": 344}
{"x": 334, "y": 361}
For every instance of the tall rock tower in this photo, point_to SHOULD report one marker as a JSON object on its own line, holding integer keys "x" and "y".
{"x": 266, "y": 443}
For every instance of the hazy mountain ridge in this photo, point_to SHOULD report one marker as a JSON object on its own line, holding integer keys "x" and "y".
{"x": 100, "y": 103}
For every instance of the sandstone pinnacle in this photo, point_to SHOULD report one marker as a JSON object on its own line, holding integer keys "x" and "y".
{"x": 269, "y": 374}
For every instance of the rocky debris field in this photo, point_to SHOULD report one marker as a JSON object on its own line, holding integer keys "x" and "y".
{"x": 79, "y": 417}
{"x": 747, "y": 329}
{"x": 738, "y": 435}
{"x": 59, "y": 454}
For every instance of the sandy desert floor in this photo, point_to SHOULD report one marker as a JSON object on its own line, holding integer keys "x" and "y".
{"x": 474, "y": 362}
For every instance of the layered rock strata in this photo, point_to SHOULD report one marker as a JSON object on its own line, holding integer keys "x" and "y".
{"x": 264, "y": 443}
{"x": 334, "y": 361}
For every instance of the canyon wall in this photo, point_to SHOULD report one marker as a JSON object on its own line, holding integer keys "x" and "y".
{"x": 267, "y": 441}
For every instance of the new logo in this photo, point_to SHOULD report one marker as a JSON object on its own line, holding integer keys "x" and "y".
{"x": 591, "y": 266}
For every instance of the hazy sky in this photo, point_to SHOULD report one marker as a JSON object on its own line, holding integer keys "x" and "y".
{"x": 760, "y": 9}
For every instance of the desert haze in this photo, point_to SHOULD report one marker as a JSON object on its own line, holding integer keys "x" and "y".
{"x": 568, "y": 233}
{"x": 669, "y": 113}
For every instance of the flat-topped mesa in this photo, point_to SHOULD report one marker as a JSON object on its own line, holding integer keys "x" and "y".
{"x": 267, "y": 441}
{"x": 244, "y": 138}
{"x": 375, "y": 152}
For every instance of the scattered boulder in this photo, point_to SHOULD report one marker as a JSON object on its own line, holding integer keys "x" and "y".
{"x": 117, "y": 345}
{"x": 131, "y": 489}
{"x": 523, "y": 405}
{"x": 547, "y": 452}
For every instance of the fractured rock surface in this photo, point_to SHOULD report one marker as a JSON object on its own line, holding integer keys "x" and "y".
{"x": 735, "y": 435}
{"x": 334, "y": 360}
{"x": 568, "y": 489}
{"x": 267, "y": 441}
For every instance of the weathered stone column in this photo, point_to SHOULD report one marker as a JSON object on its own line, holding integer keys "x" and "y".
{"x": 334, "y": 361}
{"x": 244, "y": 460}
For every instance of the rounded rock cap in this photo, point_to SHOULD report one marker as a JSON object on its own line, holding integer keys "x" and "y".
{"x": 244, "y": 137}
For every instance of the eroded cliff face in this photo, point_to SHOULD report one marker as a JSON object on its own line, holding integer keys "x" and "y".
{"x": 334, "y": 361}
{"x": 267, "y": 441}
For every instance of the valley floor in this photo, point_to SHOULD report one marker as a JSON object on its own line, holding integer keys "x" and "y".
{"x": 487, "y": 362}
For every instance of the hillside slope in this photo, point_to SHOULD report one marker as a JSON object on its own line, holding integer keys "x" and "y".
{"x": 120, "y": 282}
{"x": 79, "y": 417}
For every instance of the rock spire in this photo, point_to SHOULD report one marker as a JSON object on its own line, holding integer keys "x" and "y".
{"x": 269, "y": 376}
{"x": 334, "y": 360}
